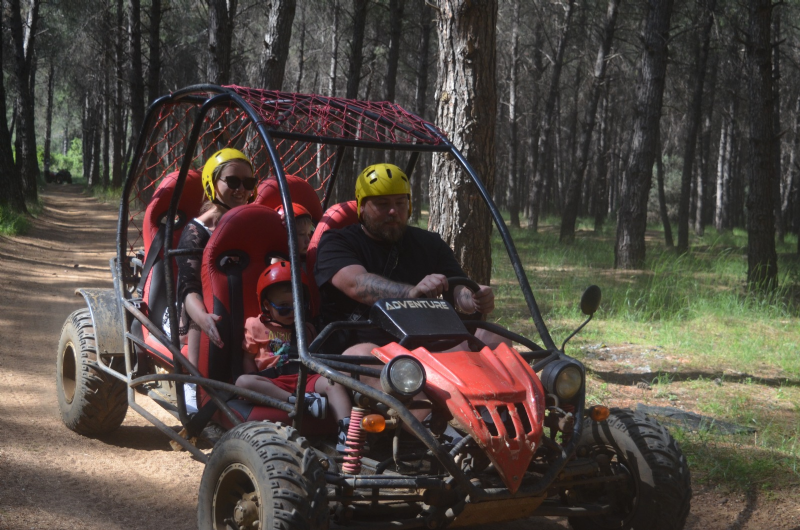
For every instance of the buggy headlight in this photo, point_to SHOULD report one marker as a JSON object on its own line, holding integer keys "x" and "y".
{"x": 562, "y": 378}
{"x": 403, "y": 376}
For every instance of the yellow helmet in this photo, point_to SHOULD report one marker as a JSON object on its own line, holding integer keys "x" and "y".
{"x": 220, "y": 157}
{"x": 382, "y": 179}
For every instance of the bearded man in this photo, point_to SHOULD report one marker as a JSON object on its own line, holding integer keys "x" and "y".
{"x": 383, "y": 257}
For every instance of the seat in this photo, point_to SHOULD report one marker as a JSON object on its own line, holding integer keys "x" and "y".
{"x": 302, "y": 192}
{"x": 243, "y": 244}
{"x": 151, "y": 288}
{"x": 337, "y": 216}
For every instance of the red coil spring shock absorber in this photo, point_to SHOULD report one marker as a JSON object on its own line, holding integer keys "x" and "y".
{"x": 355, "y": 442}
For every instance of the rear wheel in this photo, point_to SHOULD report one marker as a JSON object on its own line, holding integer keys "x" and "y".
{"x": 655, "y": 490}
{"x": 91, "y": 402}
{"x": 262, "y": 475}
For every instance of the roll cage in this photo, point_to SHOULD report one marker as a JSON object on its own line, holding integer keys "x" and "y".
{"x": 301, "y": 134}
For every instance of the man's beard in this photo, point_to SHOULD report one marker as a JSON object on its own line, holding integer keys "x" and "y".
{"x": 389, "y": 234}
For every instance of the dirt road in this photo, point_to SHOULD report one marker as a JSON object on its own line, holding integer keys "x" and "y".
{"x": 53, "y": 478}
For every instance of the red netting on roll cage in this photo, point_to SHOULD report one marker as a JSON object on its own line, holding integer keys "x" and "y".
{"x": 228, "y": 125}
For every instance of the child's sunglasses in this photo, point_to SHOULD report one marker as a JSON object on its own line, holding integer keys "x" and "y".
{"x": 282, "y": 310}
{"x": 234, "y": 182}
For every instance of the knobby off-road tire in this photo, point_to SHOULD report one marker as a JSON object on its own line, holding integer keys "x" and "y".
{"x": 658, "y": 493}
{"x": 263, "y": 475}
{"x": 91, "y": 402}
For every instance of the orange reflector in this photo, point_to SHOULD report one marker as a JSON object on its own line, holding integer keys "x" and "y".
{"x": 373, "y": 423}
{"x": 599, "y": 413}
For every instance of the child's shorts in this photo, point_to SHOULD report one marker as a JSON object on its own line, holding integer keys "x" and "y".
{"x": 289, "y": 382}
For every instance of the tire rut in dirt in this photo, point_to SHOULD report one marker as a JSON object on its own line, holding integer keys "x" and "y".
{"x": 91, "y": 403}
{"x": 274, "y": 462}
{"x": 659, "y": 471}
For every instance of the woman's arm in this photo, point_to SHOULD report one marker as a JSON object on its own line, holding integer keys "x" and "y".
{"x": 207, "y": 322}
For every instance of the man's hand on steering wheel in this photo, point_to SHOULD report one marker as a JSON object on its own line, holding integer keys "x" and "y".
{"x": 480, "y": 301}
{"x": 431, "y": 286}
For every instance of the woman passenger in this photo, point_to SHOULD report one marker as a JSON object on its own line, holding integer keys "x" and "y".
{"x": 228, "y": 182}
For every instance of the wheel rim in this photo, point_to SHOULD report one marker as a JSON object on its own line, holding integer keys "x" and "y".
{"x": 624, "y": 507}
{"x": 69, "y": 364}
{"x": 237, "y": 500}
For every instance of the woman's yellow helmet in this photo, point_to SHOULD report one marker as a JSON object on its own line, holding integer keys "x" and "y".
{"x": 382, "y": 179}
{"x": 213, "y": 162}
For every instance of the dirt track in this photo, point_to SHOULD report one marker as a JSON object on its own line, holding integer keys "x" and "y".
{"x": 53, "y": 478}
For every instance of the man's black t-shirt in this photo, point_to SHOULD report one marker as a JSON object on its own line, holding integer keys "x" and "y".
{"x": 418, "y": 254}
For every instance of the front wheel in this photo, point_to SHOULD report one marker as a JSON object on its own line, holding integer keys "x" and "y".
{"x": 91, "y": 402}
{"x": 262, "y": 475}
{"x": 656, "y": 490}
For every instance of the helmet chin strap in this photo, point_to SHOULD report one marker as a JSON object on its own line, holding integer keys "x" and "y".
{"x": 265, "y": 319}
{"x": 220, "y": 203}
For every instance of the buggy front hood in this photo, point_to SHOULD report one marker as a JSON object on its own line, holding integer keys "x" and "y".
{"x": 498, "y": 382}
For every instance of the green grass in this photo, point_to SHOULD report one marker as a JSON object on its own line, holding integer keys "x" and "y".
{"x": 13, "y": 223}
{"x": 689, "y": 319}
{"x": 105, "y": 195}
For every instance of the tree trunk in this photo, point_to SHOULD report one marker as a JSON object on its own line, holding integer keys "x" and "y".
{"x": 512, "y": 195}
{"x": 629, "y": 252}
{"x": 301, "y": 60}
{"x": 421, "y": 94}
{"x": 543, "y": 173}
{"x": 48, "y": 121}
{"x": 220, "y": 37}
{"x": 601, "y": 179}
{"x": 347, "y": 174}
{"x": 24, "y": 51}
{"x": 119, "y": 131}
{"x": 334, "y": 50}
{"x": 705, "y": 210}
{"x": 762, "y": 261}
{"x": 396, "y": 8}
{"x": 722, "y": 215}
{"x": 466, "y": 112}
{"x": 10, "y": 178}
{"x": 136, "y": 71}
{"x": 280, "y": 16}
{"x": 576, "y": 182}
{"x": 154, "y": 69}
{"x": 662, "y": 200}
{"x": 776, "y": 122}
{"x": 692, "y": 126}
{"x": 793, "y": 196}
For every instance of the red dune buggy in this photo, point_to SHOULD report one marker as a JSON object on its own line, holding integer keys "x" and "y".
{"x": 508, "y": 436}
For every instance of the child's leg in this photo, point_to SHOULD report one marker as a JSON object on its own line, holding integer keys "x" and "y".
{"x": 337, "y": 395}
{"x": 262, "y": 385}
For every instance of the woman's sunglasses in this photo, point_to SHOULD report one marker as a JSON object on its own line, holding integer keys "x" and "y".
{"x": 234, "y": 182}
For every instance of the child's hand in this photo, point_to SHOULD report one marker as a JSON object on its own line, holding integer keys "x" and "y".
{"x": 208, "y": 323}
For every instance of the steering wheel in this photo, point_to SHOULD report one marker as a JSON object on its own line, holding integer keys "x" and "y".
{"x": 449, "y": 294}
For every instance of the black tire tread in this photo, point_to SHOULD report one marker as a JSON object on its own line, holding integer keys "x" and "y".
{"x": 668, "y": 507}
{"x": 101, "y": 401}
{"x": 296, "y": 481}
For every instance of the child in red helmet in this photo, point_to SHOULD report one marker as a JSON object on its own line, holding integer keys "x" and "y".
{"x": 267, "y": 339}
{"x": 304, "y": 225}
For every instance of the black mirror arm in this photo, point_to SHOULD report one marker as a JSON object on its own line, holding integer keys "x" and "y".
{"x": 576, "y": 332}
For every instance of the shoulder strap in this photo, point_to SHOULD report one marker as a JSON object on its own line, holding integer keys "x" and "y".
{"x": 156, "y": 246}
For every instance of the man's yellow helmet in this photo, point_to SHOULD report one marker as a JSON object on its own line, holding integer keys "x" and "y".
{"x": 382, "y": 179}
{"x": 220, "y": 157}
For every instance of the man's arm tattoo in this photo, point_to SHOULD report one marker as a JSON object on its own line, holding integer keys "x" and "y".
{"x": 372, "y": 287}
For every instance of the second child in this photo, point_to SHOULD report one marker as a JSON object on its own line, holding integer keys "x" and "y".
{"x": 267, "y": 340}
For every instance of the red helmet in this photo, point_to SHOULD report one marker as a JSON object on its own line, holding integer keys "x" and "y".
{"x": 278, "y": 272}
{"x": 299, "y": 210}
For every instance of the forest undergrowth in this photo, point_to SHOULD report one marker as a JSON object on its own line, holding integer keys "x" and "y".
{"x": 683, "y": 333}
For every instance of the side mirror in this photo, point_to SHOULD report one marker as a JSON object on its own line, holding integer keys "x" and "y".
{"x": 590, "y": 300}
